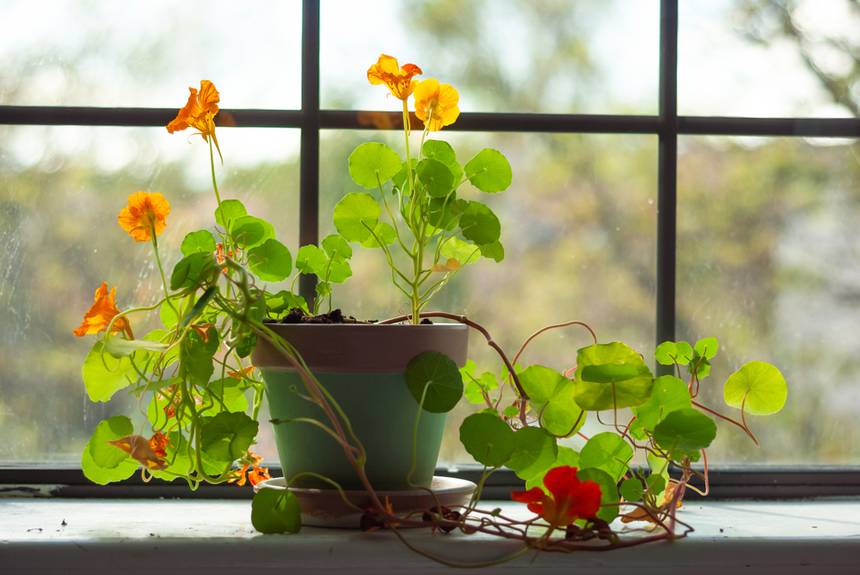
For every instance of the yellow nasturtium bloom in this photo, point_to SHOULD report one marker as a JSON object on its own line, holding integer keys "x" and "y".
{"x": 399, "y": 80}
{"x": 99, "y": 316}
{"x": 436, "y": 104}
{"x": 145, "y": 212}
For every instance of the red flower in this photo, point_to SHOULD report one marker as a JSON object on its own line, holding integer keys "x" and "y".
{"x": 570, "y": 499}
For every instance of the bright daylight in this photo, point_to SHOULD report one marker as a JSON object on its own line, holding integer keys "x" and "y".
{"x": 418, "y": 286}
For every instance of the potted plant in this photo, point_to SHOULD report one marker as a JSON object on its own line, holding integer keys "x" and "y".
{"x": 360, "y": 405}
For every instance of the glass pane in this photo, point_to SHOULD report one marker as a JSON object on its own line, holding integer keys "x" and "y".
{"x": 61, "y": 190}
{"x": 768, "y": 262}
{"x": 502, "y": 55}
{"x": 579, "y": 229}
{"x": 766, "y": 58}
{"x": 107, "y": 53}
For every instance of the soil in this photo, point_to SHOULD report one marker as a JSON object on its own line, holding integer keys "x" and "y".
{"x": 297, "y": 315}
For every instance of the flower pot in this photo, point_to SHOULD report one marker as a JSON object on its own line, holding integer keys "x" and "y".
{"x": 362, "y": 366}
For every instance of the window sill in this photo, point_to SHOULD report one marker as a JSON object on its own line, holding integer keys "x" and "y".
{"x": 40, "y": 535}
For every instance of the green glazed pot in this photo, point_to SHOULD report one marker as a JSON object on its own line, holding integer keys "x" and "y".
{"x": 362, "y": 366}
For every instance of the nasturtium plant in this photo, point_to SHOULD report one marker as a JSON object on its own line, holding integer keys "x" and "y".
{"x": 757, "y": 388}
{"x": 611, "y": 376}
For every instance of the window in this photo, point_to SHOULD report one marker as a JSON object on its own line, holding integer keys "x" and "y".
{"x": 734, "y": 218}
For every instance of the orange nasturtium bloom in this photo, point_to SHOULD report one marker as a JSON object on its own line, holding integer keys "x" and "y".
{"x": 199, "y": 112}
{"x": 399, "y": 80}
{"x": 101, "y": 313}
{"x": 569, "y": 498}
{"x": 148, "y": 452}
{"x": 436, "y": 104}
{"x": 146, "y": 212}
{"x": 255, "y": 476}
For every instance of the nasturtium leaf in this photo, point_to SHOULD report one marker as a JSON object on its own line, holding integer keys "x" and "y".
{"x": 488, "y": 439}
{"x": 336, "y": 246}
{"x": 249, "y": 231}
{"x": 656, "y": 484}
{"x": 684, "y": 432}
{"x": 534, "y": 452}
{"x": 400, "y": 179}
{"x": 227, "y": 436}
{"x": 668, "y": 394}
{"x": 672, "y": 352}
{"x": 607, "y": 451}
{"x": 551, "y": 396}
{"x": 444, "y": 213}
{"x": 283, "y": 301}
{"x": 611, "y": 375}
{"x": 355, "y": 215}
{"x": 632, "y": 489}
{"x": 103, "y": 475}
{"x": 200, "y": 241}
{"x": 434, "y": 377}
{"x": 476, "y": 385}
{"x": 511, "y": 411}
{"x": 436, "y": 177}
{"x": 707, "y": 347}
{"x": 657, "y": 464}
{"x": 227, "y": 394}
{"x": 167, "y": 312}
{"x": 339, "y": 271}
{"x": 103, "y": 453}
{"x": 323, "y": 289}
{"x": 195, "y": 355}
{"x": 372, "y": 164}
{"x": 566, "y": 456}
{"x": 382, "y": 232}
{"x": 276, "y": 511}
{"x": 608, "y": 491}
{"x": 489, "y": 171}
{"x": 703, "y": 367}
{"x": 192, "y": 270}
{"x": 479, "y": 224}
{"x": 271, "y": 261}
{"x": 494, "y": 251}
{"x": 104, "y": 374}
{"x": 757, "y": 387}
{"x": 229, "y": 211}
{"x": 463, "y": 252}
{"x": 311, "y": 260}
{"x": 439, "y": 150}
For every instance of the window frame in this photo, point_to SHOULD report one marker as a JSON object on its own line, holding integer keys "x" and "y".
{"x": 667, "y": 125}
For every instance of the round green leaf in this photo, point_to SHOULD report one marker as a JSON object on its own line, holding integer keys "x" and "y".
{"x": 270, "y": 261}
{"x": 444, "y": 213}
{"x": 311, "y": 260}
{"x": 607, "y": 451}
{"x": 758, "y": 388}
{"x": 355, "y": 215}
{"x": 103, "y": 475}
{"x": 672, "y": 352}
{"x": 382, "y": 231}
{"x": 611, "y": 375}
{"x": 494, "y": 251}
{"x": 684, "y": 432}
{"x": 276, "y": 511}
{"x": 489, "y": 171}
{"x": 104, "y": 374}
{"x": 436, "y": 177}
{"x": 227, "y": 436}
{"x": 103, "y": 453}
{"x": 228, "y": 211}
{"x": 439, "y": 150}
{"x": 336, "y": 247}
{"x": 669, "y": 394}
{"x": 479, "y": 224}
{"x": 632, "y": 489}
{"x": 566, "y": 456}
{"x": 488, "y": 439}
{"x": 192, "y": 270}
{"x": 551, "y": 396}
{"x": 248, "y": 231}
{"x": 434, "y": 377}
{"x": 707, "y": 347}
{"x": 608, "y": 491}
{"x": 463, "y": 252}
{"x": 200, "y": 241}
{"x": 372, "y": 164}
{"x": 339, "y": 271}
{"x": 534, "y": 452}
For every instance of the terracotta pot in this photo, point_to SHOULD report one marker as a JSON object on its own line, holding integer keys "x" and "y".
{"x": 362, "y": 366}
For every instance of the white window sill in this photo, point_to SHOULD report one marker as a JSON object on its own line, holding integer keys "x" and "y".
{"x": 196, "y": 536}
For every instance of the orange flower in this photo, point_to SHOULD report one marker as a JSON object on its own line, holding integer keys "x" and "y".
{"x": 159, "y": 443}
{"x": 141, "y": 449}
{"x": 399, "y": 80}
{"x": 436, "y": 104}
{"x": 258, "y": 474}
{"x": 243, "y": 373}
{"x": 241, "y": 476}
{"x": 199, "y": 112}
{"x": 101, "y": 313}
{"x": 144, "y": 213}
{"x": 569, "y": 498}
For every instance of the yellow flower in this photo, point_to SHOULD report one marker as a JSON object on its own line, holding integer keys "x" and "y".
{"x": 101, "y": 313}
{"x": 145, "y": 212}
{"x": 436, "y": 104}
{"x": 399, "y": 80}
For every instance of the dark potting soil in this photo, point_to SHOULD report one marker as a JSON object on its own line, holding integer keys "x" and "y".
{"x": 297, "y": 315}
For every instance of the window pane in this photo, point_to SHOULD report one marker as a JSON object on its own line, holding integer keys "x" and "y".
{"x": 107, "y": 53}
{"x": 61, "y": 190}
{"x": 768, "y": 262}
{"x": 768, "y": 58}
{"x": 502, "y": 55}
{"x": 579, "y": 230}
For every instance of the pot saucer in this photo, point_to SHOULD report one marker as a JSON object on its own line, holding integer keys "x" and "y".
{"x": 325, "y": 508}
